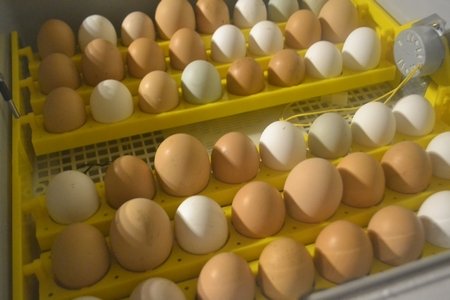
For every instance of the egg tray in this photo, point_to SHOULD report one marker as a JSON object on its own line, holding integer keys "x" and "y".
{"x": 370, "y": 14}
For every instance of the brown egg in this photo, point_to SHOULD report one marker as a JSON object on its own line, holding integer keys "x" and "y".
{"x": 57, "y": 70}
{"x": 182, "y": 165}
{"x": 286, "y": 68}
{"x": 245, "y": 77}
{"x": 302, "y": 29}
{"x": 144, "y": 56}
{"x": 286, "y": 270}
{"x": 55, "y": 36}
{"x": 136, "y": 25}
{"x": 79, "y": 255}
{"x": 141, "y": 235}
{"x": 235, "y": 158}
{"x": 63, "y": 110}
{"x": 313, "y": 190}
{"x": 210, "y": 15}
{"x": 158, "y": 92}
{"x": 258, "y": 210}
{"x": 171, "y": 15}
{"x": 226, "y": 276}
{"x": 343, "y": 252}
{"x": 397, "y": 235}
{"x": 407, "y": 168}
{"x": 338, "y": 18}
{"x": 101, "y": 60}
{"x": 363, "y": 180}
{"x": 185, "y": 46}
{"x": 126, "y": 178}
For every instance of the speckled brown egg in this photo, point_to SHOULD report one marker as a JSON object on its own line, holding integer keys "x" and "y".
{"x": 235, "y": 158}
{"x": 302, "y": 29}
{"x": 63, "y": 110}
{"x": 210, "y": 15}
{"x": 245, "y": 77}
{"x": 101, "y": 60}
{"x": 135, "y": 25}
{"x": 185, "y": 46}
{"x": 55, "y": 36}
{"x": 407, "y": 168}
{"x": 157, "y": 93}
{"x": 338, "y": 18}
{"x": 144, "y": 56}
{"x": 286, "y": 68}
{"x": 171, "y": 15}
{"x": 57, "y": 70}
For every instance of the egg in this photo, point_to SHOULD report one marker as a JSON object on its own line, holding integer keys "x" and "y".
{"x": 227, "y": 44}
{"x": 361, "y": 50}
{"x": 157, "y": 288}
{"x": 414, "y": 115}
{"x": 338, "y": 18}
{"x": 286, "y": 68}
{"x": 79, "y": 256}
{"x": 96, "y": 27}
{"x": 185, "y": 46}
{"x": 363, "y": 180}
{"x": 157, "y": 93}
{"x": 55, "y": 36}
{"x": 201, "y": 83}
{"x": 135, "y": 25}
{"x": 234, "y": 158}
{"x": 407, "y": 168}
{"x": 439, "y": 152}
{"x": 329, "y": 136}
{"x": 258, "y": 210}
{"x": 171, "y": 15}
{"x": 435, "y": 216}
{"x": 285, "y": 270}
{"x": 245, "y": 77}
{"x": 265, "y": 38}
{"x": 144, "y": 56}
{"x": 57, "y": 70}
{"x": 226, "y": 276}
{"x": 373, "y": 125}
{"x": 182, "y": 165}
{"x": 128, "y": 177}
{"x": 343, "y": 252}
{"x": 280, "y": 10}
{"x": 397, "y": 235}
{"x": 247, "y": 13}
{"x": 63, "y": 110}
{"x": 200, "y": 225}
{"x": 323, "y": 60}
{"x": 101, "y": 60}
{"x": 302, "y": 30}
{"x": 313, "y": 5}
{"x": 282, "y": 146}
{"x": 141, "y": 235}
{"x": 210, "y": 15}
{"x": 71, "y": 197}
{"x": 313, "y": 190}
{"x": 111, "y": 102}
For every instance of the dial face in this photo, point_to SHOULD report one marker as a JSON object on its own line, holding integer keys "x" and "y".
{"x": 409, "y": 51}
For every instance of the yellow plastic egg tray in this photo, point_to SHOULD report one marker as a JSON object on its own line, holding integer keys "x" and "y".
{"x": 36, "y": 151}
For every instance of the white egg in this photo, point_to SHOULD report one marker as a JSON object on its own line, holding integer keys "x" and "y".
{"x": 282, "y": 146}
{"x": 157, "y": 288}
{"x": 373, "y": 125}
{"x": 281, "y": 10}
{"x": 200, "y": 82}
{"x": 435, "y": 216}
{"x": 71, "y": 197}
{"x": 314, "y": 5}
{"x": 323, "y": 60}
{"x": 111, "y": 101}
{"x": 95, "y": 27}
{"x": 361, "y": 50}
{"x": 200, "y": 225}
{"x": 439, "y": 151}
{"x": 265, "y": 38}
{"x": 329, "y": 136}
{"x": 414, "y": 115}
{"x": 247, "y": 13}
{"x": 227, "y": 44}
